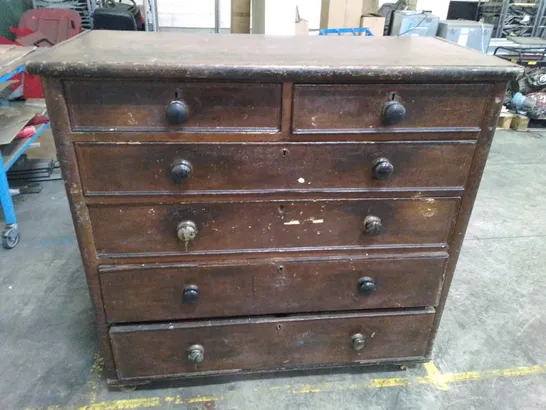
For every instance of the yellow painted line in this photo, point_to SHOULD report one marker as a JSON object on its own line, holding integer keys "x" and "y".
{"x": 493, "y": 374}
{"x": 203, "y": 399}
{"x": 95, "y": 377}
{"x": 390, "y": 382}
{"x": 434, "y": 378}
{"x": 125, "y": 404}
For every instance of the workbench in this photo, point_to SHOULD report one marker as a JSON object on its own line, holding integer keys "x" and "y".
{"x": 13, "y": 118}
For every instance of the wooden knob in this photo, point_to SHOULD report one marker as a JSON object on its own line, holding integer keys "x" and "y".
{"x": 372, "y": 225}
{"x": 177, "y": 112}
{"x": 196, "y": 353}
{"x": 358, "y": 341}
{"x": 190, "y": 295}
{"x": 180, "y": 171}
{"x": 382, "y": 168}
{"x": 366, "y": 286}
{"x": 393, "y": 113}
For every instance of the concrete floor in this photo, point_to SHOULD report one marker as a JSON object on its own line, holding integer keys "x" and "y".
{"x": 490, "y": 351}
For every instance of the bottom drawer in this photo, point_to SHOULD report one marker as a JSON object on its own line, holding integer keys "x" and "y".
{"x": 169, "y": 349}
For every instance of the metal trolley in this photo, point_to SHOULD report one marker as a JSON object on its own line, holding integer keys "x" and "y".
{"x": 10, "y": 66}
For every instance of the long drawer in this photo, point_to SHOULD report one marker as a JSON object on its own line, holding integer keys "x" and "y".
{"x": 169, "y": 349}
{"x": 114, "y": 168}
{"x": 269, "y": 225}
{"x": 366, "y": 107}
{"x": 109, "y": 105}
{"x": 150, "y": 293}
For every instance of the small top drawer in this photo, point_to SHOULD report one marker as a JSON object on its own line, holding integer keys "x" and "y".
{"x": 363, "y": 108}
{"x": 129, "y": 105}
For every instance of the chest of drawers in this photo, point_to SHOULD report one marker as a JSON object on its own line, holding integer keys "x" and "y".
{"x": 248, "y": 204}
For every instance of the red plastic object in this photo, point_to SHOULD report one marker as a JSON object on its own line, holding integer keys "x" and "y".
{"x": 56, "y": 25}
{"x": 26, "y": 132}
{"x": 32, "y": 87}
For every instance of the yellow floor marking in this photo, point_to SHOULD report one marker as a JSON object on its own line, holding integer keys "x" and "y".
{"x": 391, "y": 382}
{"x": 434, "y": 378}
{"x": 125, "y": 404}
{"x": 203, "y": 399}
{"x": 492, "y": 374}
{"x": 95, "y": 377}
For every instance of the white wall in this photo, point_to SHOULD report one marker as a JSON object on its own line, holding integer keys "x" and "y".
{"x": 200, "y": 14}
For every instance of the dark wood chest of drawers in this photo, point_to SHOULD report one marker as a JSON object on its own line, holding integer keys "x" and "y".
{"x": 245, "y": 203}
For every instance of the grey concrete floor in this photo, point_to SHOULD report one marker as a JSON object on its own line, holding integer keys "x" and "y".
{"x": 490, "y": 352}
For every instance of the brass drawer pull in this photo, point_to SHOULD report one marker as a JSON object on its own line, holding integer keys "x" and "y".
{"x": 187, "y": 231}
{"x": 196, "y": 353}
{"x": 358, "y": 341}
{"x": 372, "y": 225}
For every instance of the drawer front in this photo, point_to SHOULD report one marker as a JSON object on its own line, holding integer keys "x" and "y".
{"x": 267, "y": 225}
{"x": 142, "y": 106}
{"x": 361, "y": 108}
{"x": 270, "y": 287}
{"x": 128, "y": 168}
{"x": 267, "y": 343}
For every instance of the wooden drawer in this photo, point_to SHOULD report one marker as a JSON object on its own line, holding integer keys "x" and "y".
{"x": 359, "y": 108}
{"x": 114, "y": 168}
{"x": 269, "y": 225}
{"x": 163, "y": 349}
{"x": 148, "y": 293}
{"x": 126, "y": 105}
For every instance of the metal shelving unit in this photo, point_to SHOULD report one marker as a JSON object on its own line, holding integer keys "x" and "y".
{"x": 520, "y": 18}
{"x": 12, "y": 60}
{"x": 540, "y": 27}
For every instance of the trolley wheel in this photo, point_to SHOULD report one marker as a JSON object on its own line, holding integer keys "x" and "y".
{"x": 10, "y": 237}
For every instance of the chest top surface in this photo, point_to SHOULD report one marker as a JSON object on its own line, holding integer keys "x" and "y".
{"x": 256, "y": 57}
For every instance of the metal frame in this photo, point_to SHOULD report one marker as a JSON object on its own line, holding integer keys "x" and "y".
{"x": 12, "y": 229}
{"x": 503, "y": 7}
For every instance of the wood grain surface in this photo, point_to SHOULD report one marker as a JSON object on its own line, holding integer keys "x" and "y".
{"x": 113, "y": 168}
{"x": 240, "y": 288}
{"x": 358, "y": 108}
{"x": 152, "y": 350}
{"x": 141, "y": 105}
{"x": 265, "y": 225}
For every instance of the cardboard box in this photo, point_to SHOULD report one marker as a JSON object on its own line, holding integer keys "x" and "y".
{"x": 370, "y": 6}
{"x": 520, "y": 122}
{"x": 505, "y": 120}
{"x": 340, "y": 13}
{"x": 374, "y": 22}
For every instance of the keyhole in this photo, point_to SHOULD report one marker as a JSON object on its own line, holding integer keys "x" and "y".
{"x": 281, "y": 209}
{"x": 279, "y": 327}
{"x": 392, "y": 96}
{"x": 284, "y": 152}
{"x": 281, "y": 269}
{"x": 176, "y": 94}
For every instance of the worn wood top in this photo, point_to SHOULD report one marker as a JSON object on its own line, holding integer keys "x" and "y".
{"x": 254, "y": 57}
